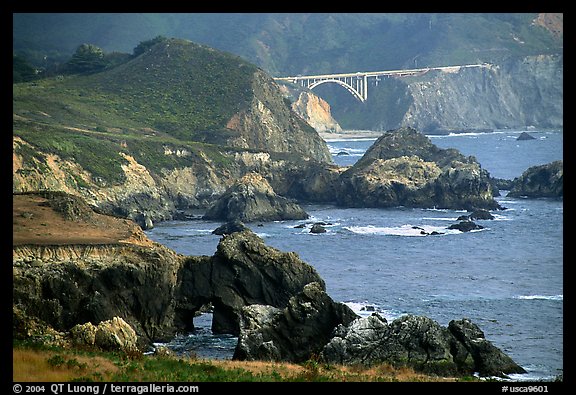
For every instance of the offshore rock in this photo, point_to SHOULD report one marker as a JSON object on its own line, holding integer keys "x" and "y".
{"x": 252, "y": 199}
{"x": 421, "y": 343}
{"x": 404, "y": 168}
{"x": 525, "y": 136}
{"x": 466, "y": 226}
{"x": 293, "y": 333}
{"x": 245, "y": 271}
{"x": 229, "y": 228}
{"x": 540, "y": 181}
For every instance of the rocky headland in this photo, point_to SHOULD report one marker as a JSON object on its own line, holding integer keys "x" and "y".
{"x": 130, "y": 292}
{"x": 404, "y": 168}
{"x": 540, "y": 181}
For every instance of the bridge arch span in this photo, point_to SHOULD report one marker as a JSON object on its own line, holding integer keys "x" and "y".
{"x": 349, "y": 88}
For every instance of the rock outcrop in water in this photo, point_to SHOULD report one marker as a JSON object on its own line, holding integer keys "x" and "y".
{"x": 540, "y": 181}
{"x": 293, "y": 333}
{"x": 243, "y": 271}
{"x": 276, "y": 303}
{"x": 421, "y": 343}
{"x": 151, "y": 287}
{"x": 404, "y": 168}
{"x": 251, "y": 199}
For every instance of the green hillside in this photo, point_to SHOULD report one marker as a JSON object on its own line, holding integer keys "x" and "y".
{"x": 177, "y": 88}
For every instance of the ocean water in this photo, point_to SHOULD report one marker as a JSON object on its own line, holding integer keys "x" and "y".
{"x": 507, "y": 278}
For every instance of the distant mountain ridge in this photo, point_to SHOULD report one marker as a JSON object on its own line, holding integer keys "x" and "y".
{"x": 302, "y": 43}
{"x": 306, "y": 43}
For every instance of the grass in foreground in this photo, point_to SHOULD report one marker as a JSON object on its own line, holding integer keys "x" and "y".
{"x": 49, "y": 364}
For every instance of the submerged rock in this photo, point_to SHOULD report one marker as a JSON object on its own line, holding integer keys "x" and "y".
{"x": 252, "y": 199}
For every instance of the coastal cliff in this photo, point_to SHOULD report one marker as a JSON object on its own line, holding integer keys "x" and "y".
{"x": 517, "y": 92}
{"x": 159, "y": 135}
{"x": 115, "y": 293}
{"x": 525, "y": 92}
{"x": 316, "y": 111}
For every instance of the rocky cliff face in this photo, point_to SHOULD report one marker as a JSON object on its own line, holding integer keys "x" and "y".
{"x": 404, "y": 168}
{"x": 316, "y": 111}
{"x": 513, "y": 94}
{"x": 269, "y": 124}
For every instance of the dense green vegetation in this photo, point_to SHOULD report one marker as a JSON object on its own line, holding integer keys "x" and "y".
{"x": 175, "y": 88}
{"x": 290, "y": 44}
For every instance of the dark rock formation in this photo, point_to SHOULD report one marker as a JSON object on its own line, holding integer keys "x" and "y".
{"x": 540, "y": 181}
{"x": 76, "y": 284}
{"x": 317, "y": 228}
{"x": 243, "y": 271}
{"x": 418, "y": 342}
{"x": 229, "y": 228}
{"x": 252, "y": 199}
{"x": 404, "y": 168}
{"x": 293, "y": 333}
{"x": 525, "y": 136}
{"x": 476, "y": 214}
{"x": 488, "y": 359}
{"x": 466, "y": 226}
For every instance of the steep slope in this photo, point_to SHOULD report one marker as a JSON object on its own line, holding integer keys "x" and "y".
{"x": 167, "y": 131}
{"x": 182, "y": 90}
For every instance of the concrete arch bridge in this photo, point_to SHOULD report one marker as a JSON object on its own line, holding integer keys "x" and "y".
{"x": 357, "y": 83}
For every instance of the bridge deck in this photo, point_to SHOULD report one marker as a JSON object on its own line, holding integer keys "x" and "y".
{"x": 380, "y": 73}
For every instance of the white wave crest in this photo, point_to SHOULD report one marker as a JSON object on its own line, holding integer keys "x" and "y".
{"x": 365, "y": 309}
{"x": 540, "y": 297}
{"x": 403, "y": 230}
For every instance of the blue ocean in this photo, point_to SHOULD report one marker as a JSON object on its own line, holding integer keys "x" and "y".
{"x": 507, "y": 277}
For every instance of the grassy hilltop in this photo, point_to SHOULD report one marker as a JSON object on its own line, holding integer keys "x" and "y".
{"x": 176, "y": 88}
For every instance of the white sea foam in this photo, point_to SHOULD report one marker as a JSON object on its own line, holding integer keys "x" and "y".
{"x": 466, "y": 134}
{"x": 540, "y": 297}
{"x": 198, "y": 231}
{"x": 365, "y": 309}
{"x": 403, "y": 230}
{"x": 500, "y": 217}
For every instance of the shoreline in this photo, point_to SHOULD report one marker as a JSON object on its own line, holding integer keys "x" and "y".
{"x": 349, "y": 135}
{"x": 374, "y": 134}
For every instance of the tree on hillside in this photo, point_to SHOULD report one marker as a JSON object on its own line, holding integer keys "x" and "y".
{"x": 22, "y": 71}
{"x": 88, "y": 58}
{"x": 143, "y": 46}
